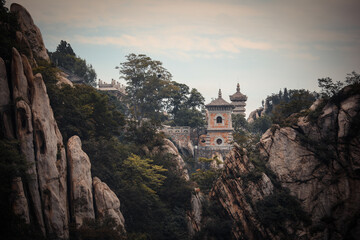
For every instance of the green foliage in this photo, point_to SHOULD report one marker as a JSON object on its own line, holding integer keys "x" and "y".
{"x": 239, "y": 123}
{"x": 328, "y": 87}
{"x": 352, "y": 78}
{"x": 49, "y": 73}
{"x": 210, "y": 160}
{"x": 298, "y": 100}
{"x": 142, "y": 174}
{"x": 12, "y": 164}
{"x": 145, "y": 134}
{"x": 189, "y": 117}
{"x": 151, "y": 92}
{"x": 184, "y": 106}
{"x": 274, "y": 210}
{"x": 65, "y": 48}
{"x": 148, "y": 84}
{"x": 205, "y": 178}
{"x": 97, "y": 230}
{"x": 252, "y": 176}
{"x": 65, "y": 57}
{"x": 260, "y": 125}
{"x": 216, "y": 223}
{"x": 80, "y": 110}
{"x": 205, "y": 160}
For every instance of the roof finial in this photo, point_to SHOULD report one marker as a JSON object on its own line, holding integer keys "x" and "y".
{"x": 238, "y": 88}
{"x": 219, "y": 93}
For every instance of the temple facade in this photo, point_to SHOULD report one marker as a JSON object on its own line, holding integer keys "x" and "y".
{"x": 219, "y": 124}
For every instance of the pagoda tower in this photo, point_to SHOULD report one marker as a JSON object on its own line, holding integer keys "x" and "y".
{"x": 239, "y": 101}
{"x": 219, "y": 129}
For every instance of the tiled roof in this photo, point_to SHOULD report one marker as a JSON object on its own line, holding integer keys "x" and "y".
{"x": 219, "y": 102}
{"x": 238, "y": 96}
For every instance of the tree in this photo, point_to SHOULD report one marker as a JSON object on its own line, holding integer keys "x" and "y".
{"x": 298, "y": 100}
{"x": 65, "y": 57}
{"x": 196, "y": 100}
{"x": 328, "y": 88}
{"x": 352, "y": 78}
{"x": 178, "y": 97}
{"x": 260, "y": 125}
{"x": 65, "y": 48}
{"x": 148, "y": 86}
{"x": 186, "y": 109}
{"x": 239, "y": 122}
{"x": 286, "y": 95}
{"x": 142, "y": 174}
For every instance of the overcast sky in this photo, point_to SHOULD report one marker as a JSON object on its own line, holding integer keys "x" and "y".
{"x": 265, "y": 45}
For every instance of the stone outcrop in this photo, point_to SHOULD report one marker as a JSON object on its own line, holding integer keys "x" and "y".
{"x": 168, "y": 148}
{"x": 257, "y": 113}
{"x": 22, "y": 79}
{"x": 317, "y": 159}
{"x": 194, "y": 216}
{"x": 31, "y": 35}
{"x": 19, "y": 201}
{"x": 41, "y": 198}
{"x": 5, "y": 100}
{"x": 107, "y": 204}
{"x": 19, "y": 80}
{"x": 231, "y": 190}
{"x": 82, "y": 206}
{"x": 62, "y": 79}
{"x": 51, "y": 161}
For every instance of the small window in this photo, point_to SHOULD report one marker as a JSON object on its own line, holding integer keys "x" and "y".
{"x": 219, "y": 120}
{"x": 219, "y": 141}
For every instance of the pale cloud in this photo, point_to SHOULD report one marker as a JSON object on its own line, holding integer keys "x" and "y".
{"x": 199, "y": 46}
{"x": 191, "y": 23}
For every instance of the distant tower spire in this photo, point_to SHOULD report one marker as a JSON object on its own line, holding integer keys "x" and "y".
{"x": 238, "y": 87}
{"x": 219, "y": 93}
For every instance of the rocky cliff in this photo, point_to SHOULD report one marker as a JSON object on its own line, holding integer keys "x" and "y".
{"x": 29, "y": 36}
{"x": 42, "y": 198}
{"x": 168, "y": 148}
{"x": 315, "y": 163}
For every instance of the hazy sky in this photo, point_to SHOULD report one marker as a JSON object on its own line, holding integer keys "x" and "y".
{"x": 265, "y": 45}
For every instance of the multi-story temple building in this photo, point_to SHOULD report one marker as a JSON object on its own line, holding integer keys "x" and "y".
{"x": 217, "y": 140}
{"x": 239, "y": 101}
{"x": 219, "y": 124}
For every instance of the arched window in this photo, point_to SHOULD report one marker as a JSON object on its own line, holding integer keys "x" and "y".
{"x": 219, "y": 120}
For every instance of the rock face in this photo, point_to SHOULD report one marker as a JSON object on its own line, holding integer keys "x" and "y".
{"x": 231, "y": 190}
{"x": 80, "y": 182}
{"x": 51, "y": 161}
{"x": 169, "y": 148}
{"x": 41, "y": 198}
{"x": 31, "y": 35}
{"x": 5, "y": 100}
{"x": 19, "y": 201}
{"x": 194, "y": 216}
{"x": 107, "y": 203}
{"x": 317, "y": 160}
